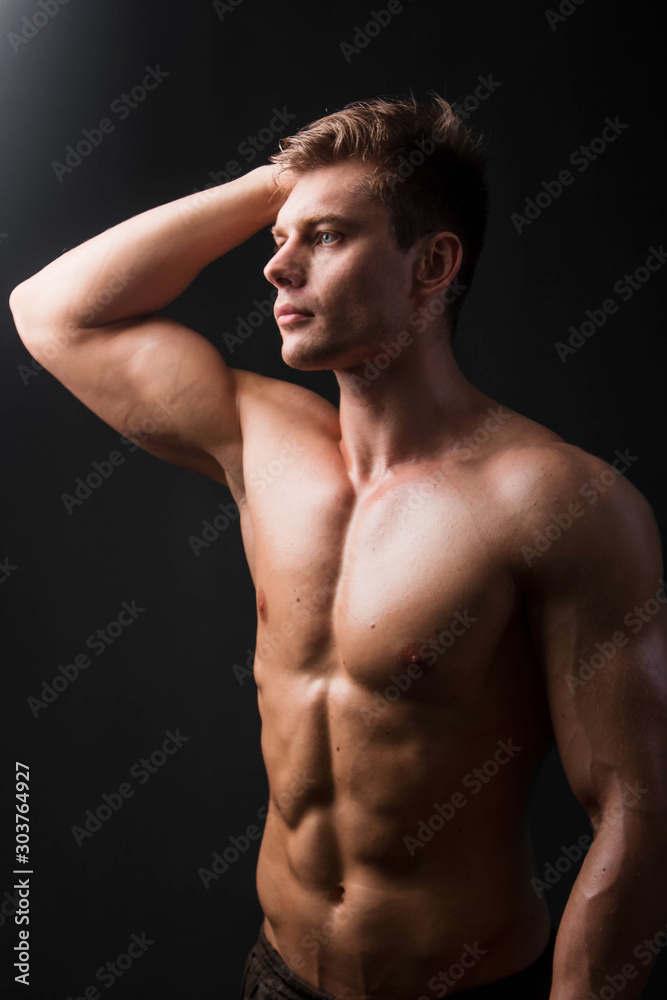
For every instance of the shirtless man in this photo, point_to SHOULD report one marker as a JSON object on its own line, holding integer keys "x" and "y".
{"x": 452, "y": 584}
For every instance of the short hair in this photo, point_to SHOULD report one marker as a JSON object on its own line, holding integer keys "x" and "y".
{"x": 426, "y": 167}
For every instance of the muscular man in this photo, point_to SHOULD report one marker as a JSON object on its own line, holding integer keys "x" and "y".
{"x": 452, "y": 584}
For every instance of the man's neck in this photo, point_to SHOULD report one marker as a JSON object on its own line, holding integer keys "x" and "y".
{"x": 417, "y": 407}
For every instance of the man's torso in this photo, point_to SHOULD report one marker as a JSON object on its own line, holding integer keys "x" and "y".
{"x": 404, "y": 716}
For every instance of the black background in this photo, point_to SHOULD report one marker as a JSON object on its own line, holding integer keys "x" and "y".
{"x": 174, "y": 667}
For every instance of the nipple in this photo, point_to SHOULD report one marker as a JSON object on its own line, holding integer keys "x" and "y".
{"x": 420, "y": 663}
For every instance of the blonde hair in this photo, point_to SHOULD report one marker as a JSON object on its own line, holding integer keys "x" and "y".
{"x": 424, "y": 165}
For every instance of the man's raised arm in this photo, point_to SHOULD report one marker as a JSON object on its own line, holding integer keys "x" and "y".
{"x": 91, "y": 318}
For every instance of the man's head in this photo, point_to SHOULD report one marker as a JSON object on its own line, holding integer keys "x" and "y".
{"x": 408, "y": 181}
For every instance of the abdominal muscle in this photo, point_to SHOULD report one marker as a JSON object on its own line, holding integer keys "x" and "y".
{"x": 368, "y": 890}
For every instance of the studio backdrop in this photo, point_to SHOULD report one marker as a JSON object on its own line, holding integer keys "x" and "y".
{"x": 128, "y": 609}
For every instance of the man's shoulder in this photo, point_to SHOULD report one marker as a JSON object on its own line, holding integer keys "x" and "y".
{"x": 537, "y": 463}
{"x": 549, "y": 489}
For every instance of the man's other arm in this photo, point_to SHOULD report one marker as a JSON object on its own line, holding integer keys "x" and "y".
{"x": 91, "y": 318}
{"x": 596, "y": 607}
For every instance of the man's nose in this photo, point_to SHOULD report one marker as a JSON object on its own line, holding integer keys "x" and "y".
{"x": 284, "y": 268}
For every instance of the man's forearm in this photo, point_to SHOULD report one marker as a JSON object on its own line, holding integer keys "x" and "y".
{"x": 142, "y": 264}
{"x": 614, "y": 912}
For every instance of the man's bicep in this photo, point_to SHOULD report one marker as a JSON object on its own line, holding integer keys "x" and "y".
{"x": 597, "y": 612}
{"x": 157, "y": 382}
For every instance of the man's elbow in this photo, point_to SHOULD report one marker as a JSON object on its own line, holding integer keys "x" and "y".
{"x": 638, "y": 813}
{"x": 20, "y": 306}
{"x": 15, "y": 296}
{"x": 30, "y": 313}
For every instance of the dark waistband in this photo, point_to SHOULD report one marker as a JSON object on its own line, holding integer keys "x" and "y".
{"x": 535, "y": 978}
{"x": 268, "y": 962}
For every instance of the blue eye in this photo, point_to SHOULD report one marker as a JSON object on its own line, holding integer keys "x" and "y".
{"x": 326, "y": 233}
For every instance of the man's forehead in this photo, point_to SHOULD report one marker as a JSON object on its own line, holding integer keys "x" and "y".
{"x": 328, "y": 192}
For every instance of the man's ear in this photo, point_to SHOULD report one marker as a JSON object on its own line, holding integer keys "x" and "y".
{"x": 437, "y": 263}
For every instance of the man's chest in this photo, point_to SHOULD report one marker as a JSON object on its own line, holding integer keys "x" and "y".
{"x": 412, "y": 571}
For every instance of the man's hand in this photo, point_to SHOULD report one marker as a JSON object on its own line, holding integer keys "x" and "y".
{"x": 284, "y": 179}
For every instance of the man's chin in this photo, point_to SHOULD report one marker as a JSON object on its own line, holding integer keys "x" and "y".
{"x": 304, "y": 364}
{"x": 309, "y": 356}
{"x": 314, "y": 351}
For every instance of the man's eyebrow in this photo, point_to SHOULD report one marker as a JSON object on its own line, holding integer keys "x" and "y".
{"x": 313, "y": 220}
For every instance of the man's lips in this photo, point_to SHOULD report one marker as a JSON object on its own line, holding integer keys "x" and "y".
{"x": 289, "y": 313}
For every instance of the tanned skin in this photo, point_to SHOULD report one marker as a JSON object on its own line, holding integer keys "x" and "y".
{"x": 392, "y": 534}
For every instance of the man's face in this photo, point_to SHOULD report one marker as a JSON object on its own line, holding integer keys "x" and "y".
{"x": 337, "y": 259}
